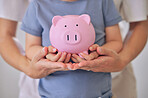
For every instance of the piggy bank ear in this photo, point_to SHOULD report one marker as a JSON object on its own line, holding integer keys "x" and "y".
{"x": 56, "y": 19}
{"x": 86, "y": 18}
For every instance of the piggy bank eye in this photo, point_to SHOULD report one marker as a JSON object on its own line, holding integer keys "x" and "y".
{"x": 77, "y": 25}
{"x": 65, "y": 26}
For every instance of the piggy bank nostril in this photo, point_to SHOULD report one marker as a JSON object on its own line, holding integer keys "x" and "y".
{"x": 68, "y": 37}
{"x": 75, "y": 37}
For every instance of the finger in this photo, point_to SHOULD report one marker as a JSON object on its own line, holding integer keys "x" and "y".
{"x": 85, "y": 56}
{"x": 54, "y": 57}
{"x": 54, "y": 65}
{"x": 70, "y": 66}
{"x": 94, "y": 55}
{"x": 75, "y": 66}
{"x": 57, "y": 57}
{"x": 51, "y": 49}
{"x": 74, "y": 60}
{"x": 50, "y": 56}
{"x": 67, "y": 58}
{"x": 86, "y": 68}
{"x": 90, "y": 64}
{"x": 93, "y": 47}
{"x": 91, "y": 56}
{"x": 41, "y": 54}
{"x": 67, "y": 66}
{"x": 62, "y": 58}
{"x": 79, "y": 59}
{"x": 104, "y": 51}
{"x": 58, "y": 69}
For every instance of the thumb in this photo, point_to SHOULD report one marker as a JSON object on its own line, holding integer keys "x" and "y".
{"x": 51, "y": 49}
{"x": 41, "y": 54}
{"x": 106, "y": 52}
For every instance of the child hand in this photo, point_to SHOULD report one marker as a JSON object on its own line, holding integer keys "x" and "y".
{"x": 93, "y": 55}
{"x": 57, "y": 57}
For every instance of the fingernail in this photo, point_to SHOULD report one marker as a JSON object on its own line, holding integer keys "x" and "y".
{"x": 100, "y": 49}
{"x": 54, "y": 49}
{"x": 43, "y": 50}
{"x": 90, "y": 48}
{"x": 81, "y": 53}
{"x": 79, "y": 65}
{"x": 69, "y": 55}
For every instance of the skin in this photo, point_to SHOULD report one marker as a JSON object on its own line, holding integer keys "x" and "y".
{"x": 112, "y": 42}
{"x": 112, "y": 61}
{"x": 33, "y": 44}
{"x": 38, "y": 67}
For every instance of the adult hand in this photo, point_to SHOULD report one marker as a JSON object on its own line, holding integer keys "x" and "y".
{"x": 91, "y": 56}
{"x": 40, "y": 67}
{"x": 109, "y": 61}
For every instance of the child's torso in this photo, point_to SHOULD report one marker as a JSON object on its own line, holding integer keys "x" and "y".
{"x": 79, "y": 83}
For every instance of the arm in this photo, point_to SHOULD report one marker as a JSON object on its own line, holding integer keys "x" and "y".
{"x": 113, "y": 42}
{"x": 113, "y": 62}
{"x": 7, "y": 32}
{"x": 33, "y": 45}
{"x": 135, "y": 41}
{"x": 37, "y": 68}
{"x": 113, "y": 38}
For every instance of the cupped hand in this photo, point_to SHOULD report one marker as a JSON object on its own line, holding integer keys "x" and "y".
{"x": 91, "y": 56}
{"x": 40, "y": 67}
{"x": 108, "y": 61}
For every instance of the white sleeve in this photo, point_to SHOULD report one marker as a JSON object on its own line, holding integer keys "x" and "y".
{"x": 13, "y": 9}
{"x": 147, "y": 7}
{"x": 134, "y": 10}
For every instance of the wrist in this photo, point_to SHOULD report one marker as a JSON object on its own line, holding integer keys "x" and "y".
{"x": 125, "y": 59}
{"x": 24, "y": 64}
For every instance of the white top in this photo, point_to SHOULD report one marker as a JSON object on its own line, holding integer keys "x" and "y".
{"x": 132, "y": 10}
{"x": 15, "y": 9}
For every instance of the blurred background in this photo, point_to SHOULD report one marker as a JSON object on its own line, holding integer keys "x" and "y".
{"x": 9, "y": 76}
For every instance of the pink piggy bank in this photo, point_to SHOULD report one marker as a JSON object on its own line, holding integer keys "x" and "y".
{"x": 72, "y": 33}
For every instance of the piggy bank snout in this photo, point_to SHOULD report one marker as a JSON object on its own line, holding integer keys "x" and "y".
{"x": 71, "y": 37}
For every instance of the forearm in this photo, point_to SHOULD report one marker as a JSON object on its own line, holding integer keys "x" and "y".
{"x": 33, "y": 45}
{"x": 32, "y": 51}
{"x": 8, "y": 48}
{"x": 113, "y": 38}
{"x": 134, "y": 42}
{"x": 10, "y": 52}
